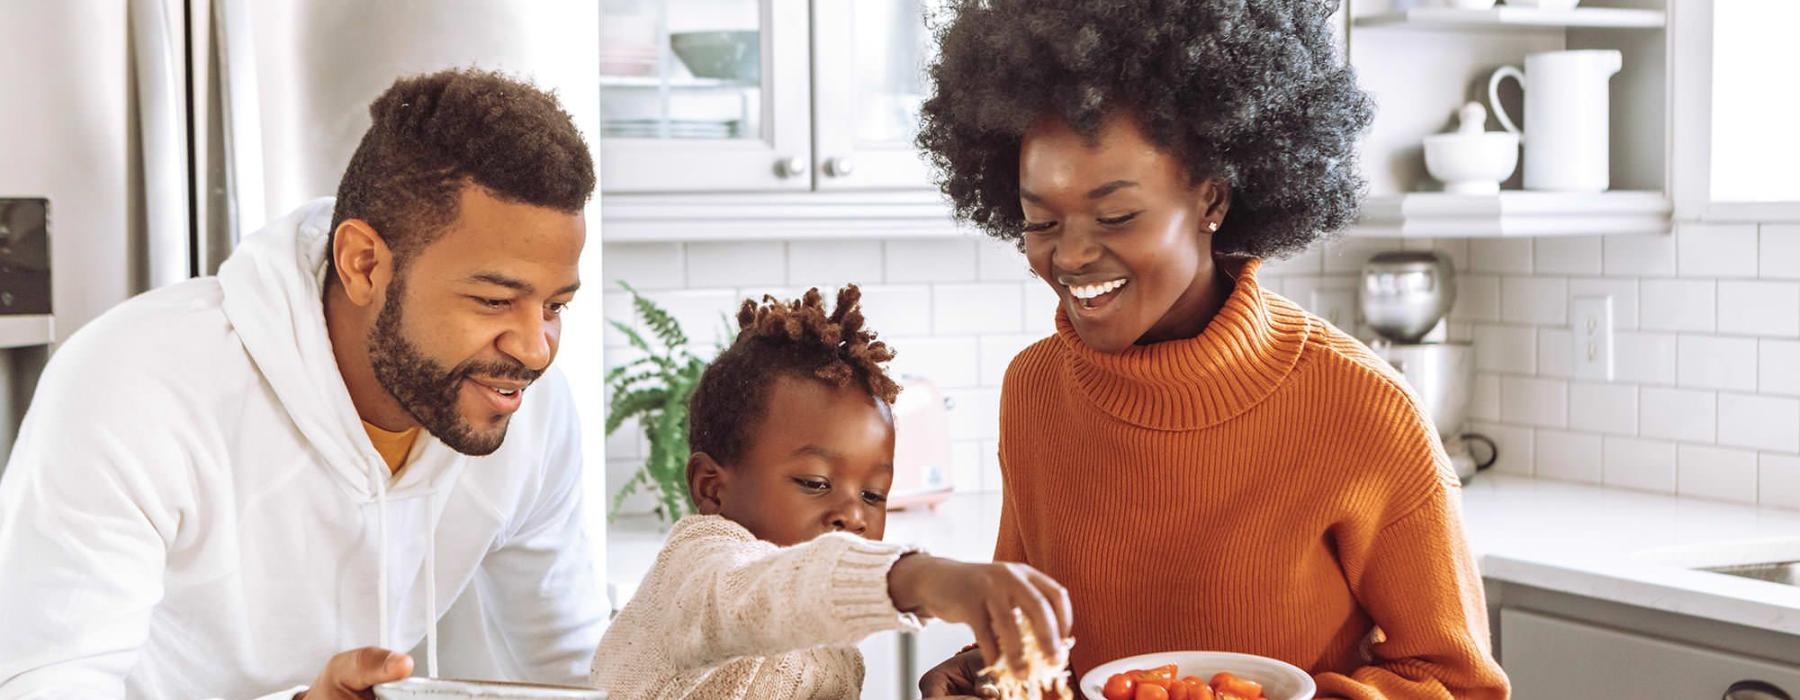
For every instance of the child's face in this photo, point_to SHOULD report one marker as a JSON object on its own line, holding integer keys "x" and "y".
{"x": 821, "y": 460}
{"x": 1118, "y": 218}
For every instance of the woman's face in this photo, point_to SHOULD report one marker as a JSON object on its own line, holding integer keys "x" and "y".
{"x": 1117, "y": 229}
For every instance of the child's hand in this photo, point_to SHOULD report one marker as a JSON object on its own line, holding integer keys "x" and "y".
{"x": 983, "y": 597}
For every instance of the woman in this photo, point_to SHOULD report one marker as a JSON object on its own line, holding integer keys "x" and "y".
{"x": 1201, "y": 462}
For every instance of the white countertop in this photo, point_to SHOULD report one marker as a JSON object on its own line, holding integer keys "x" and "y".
{"x": 1616, "y": 545}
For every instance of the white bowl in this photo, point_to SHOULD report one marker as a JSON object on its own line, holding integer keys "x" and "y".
{"x": 1280, "y": 680}
{"x": 1467, "y": 4}
{"x": 1472, "y": 163}
{"x": 442, "y": 689}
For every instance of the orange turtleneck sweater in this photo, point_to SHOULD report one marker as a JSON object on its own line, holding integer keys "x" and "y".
{"x": 1268, "y": 487}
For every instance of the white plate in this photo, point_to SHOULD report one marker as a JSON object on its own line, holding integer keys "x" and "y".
{"x": 1280, "y": 680}
{"x": 441, "y": 689}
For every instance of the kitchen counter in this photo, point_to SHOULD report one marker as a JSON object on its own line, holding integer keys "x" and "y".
{"x": 1622, "y": 546}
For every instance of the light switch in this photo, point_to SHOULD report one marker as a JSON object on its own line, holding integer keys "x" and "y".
{"x": 1591, "y": 337}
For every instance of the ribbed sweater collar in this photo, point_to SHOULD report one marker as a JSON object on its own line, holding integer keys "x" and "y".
{"x": 1242, "y": 357}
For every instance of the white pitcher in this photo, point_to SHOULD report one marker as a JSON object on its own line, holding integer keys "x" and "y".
{"x": 1566, "y": 100}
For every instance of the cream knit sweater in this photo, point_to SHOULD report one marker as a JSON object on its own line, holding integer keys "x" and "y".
{"x": 723, "y": 615}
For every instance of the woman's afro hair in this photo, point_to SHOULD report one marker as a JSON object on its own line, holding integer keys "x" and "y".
{"x": 1253, "y": 92}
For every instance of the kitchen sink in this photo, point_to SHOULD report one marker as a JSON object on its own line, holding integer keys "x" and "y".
{"x": 1785, "y": 572}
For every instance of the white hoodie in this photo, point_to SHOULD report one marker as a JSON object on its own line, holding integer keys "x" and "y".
{"x": 192, "y": 507}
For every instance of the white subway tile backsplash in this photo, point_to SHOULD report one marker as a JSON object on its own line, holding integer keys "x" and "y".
{"x": 1780, "y": 251}
{"x": 1309, "y": 262}
{"x": 1347, "y": 255}
{"x": 992, "y": 480}
{"x": 1716, "y": 473}
{"x": 931, "y": 260}
{"x": 1554, "y": 354}
{"x": 997, "y": 353}
{"x": 1645, "y": 358}
{"x": 1760, "y": 308}
{"x": 1567, "y": 255}
{"x": 614, "y": 306}
{"x": 1538, "y": 402}
{"x": 1677, "y": 305}
{"x": 645, "y": 266}
{"x": 897, "y": 311}
{"x": 1716, "y": 250}
{"x": 1714, "y": 362}
{"x": 1477, "y": 298}
{"x": 1569, "y": 456}
{"x": 1001, "y": 261}
{"x": 1458, "y": 249}
{"x": 1642, "y": 256}
{"x": 737, "y": 264}
{"x": 1484, "y": 401}
{"x": 705, "y": 315}
{"x": 1761, "y": 422}
{"x": 977, "y": 308}
{"x": 952, "y": 363}
{"x": 1516, "y": 452}
{"x": 1535, "y": 300}
{"x": 627, "y": 442}
{"x": 1603, "y": 408}
{"x": 1511, "y": 349}
{"x": 1678, "y": 414}
{"x": 1778, "y": 481}
{"x": 1040, "y": 308}
{"x": 1645, "y": 465}
{"x": 834, "y": 263}
{"x": 1778, "y": 367}
{"x": 1505, "y": 255}
{"x": 1624, "y": 293}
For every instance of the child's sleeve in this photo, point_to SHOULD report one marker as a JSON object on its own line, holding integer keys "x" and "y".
{"x": 729, "y": 595}
{"x": 1417, "y": 579}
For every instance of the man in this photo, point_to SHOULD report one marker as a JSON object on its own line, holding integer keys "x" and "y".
{"x": 224, "y": 484}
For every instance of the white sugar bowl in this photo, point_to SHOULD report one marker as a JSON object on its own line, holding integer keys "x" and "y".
{"x": 1470, "y": 160}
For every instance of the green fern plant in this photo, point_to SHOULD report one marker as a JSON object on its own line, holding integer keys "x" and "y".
{"x": 655, "y": 389}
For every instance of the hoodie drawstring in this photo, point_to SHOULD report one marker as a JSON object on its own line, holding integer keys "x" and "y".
{"x": 381, "y": 547}
{"x": 431, "y": 629}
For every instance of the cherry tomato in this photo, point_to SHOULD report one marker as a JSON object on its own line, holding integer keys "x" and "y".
{"x": 1226, "y": 683}
{"x": 1164, "y": 672}
{"x": 1120, "y": 687}
{"x": 1151, "y": 692}
{"x": 1181, "y": 691}
{"x": 1201, "y": 691}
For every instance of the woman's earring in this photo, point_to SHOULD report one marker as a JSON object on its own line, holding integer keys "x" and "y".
{"x": 1212, "y": 226}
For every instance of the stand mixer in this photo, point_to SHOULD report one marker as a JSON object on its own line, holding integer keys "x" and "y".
{"x": 1405, "y": 296}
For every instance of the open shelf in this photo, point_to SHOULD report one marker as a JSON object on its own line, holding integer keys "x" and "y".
{"x": 1513, "y": 214}
{"x": 1518, "y": 18}
{"x": 651, "y": 82}
{"x": 27, "y": 330}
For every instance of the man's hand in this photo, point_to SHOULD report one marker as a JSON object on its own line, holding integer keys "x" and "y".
{"x": 352, "y": 673}
{"x": 958, "y": 677}
{"x": 983, "y": 596}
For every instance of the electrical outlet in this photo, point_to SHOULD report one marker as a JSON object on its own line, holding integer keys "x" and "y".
{"x": 1336, "y": 306}
{"x": 1591, "y": 336}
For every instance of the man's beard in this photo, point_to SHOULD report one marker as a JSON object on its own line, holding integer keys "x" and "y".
{"x": 428, "y": 391}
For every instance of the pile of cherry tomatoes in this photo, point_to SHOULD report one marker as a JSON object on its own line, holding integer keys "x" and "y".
{"x": 1161, "y": 684}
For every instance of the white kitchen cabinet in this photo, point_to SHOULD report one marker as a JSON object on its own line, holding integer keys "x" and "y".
{"x": 1421, "y": 62}
{"x": 705, "y": 95}
{"x": 818, "y": 96}
{"x": 1552, "y": 657}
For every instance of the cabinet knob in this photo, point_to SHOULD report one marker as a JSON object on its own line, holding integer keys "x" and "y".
{"x": 790, "y": 167}
{"x": 1755, "y": 690}
{"x": 840, "y": 166}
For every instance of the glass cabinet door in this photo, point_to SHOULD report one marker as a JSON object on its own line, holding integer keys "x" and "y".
{"x": 869, "y": 61}
{"x": 707, "y": 95}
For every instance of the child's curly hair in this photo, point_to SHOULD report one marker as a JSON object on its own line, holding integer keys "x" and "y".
{"x": 1252, "y": 92}
{"x": 776, "y": 338}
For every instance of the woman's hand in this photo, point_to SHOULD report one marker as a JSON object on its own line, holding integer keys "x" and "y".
{"x": 958, "y": 677}
{"x": 984, "y": 596}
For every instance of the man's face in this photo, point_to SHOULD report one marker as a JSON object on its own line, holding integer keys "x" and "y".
{"x": 472, "y": 319}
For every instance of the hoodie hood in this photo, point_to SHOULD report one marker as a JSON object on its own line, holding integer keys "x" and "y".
{"x": 274, "y": 292}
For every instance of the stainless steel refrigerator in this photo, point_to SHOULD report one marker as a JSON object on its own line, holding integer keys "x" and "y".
{"x": 157, "y": 133}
